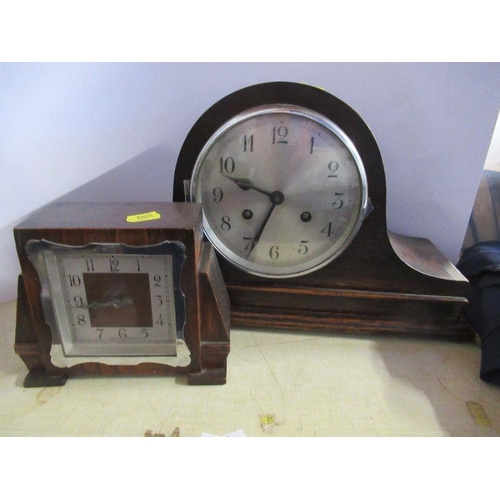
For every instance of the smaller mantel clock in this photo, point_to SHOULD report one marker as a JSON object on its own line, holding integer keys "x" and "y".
{"x": 119, "y": 289}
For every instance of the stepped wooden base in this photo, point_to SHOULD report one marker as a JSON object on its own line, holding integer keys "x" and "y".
{"x": 352, "y": 312}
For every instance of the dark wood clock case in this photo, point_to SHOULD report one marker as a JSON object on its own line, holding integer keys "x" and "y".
{"x": 207, "y": 326}
{"x": 382, "y": 283}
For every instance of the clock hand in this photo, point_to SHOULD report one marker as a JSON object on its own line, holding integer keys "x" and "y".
{"x": 118, "y": 302}
{"x": 246, "y": 184}
{"x": 277, "y": 198}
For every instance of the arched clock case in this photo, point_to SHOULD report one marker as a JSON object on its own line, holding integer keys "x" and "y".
{"x": 246, "y": 151}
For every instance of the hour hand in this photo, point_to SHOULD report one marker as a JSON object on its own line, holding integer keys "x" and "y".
{"x": 118, "y": 302}
{"x": 246, "y": 184}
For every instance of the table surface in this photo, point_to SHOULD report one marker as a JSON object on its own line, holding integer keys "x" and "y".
{"x": 279, "y": 384}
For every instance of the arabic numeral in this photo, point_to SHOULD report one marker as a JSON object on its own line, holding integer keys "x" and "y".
{"x": 218, "y": 194}
{"x": 339, "y": 202}
{"x": 280, "y": 134}
{"x": 247, "y": 143}
{"x": 78, "y": 301}
{"x": 333, "y": 168}
{"x": 273, "y": 252}
{"x": 227, "y": 165}
{"x": 113, "y": 265}
{"x": 249, "y": 242}
{"x": 311, "y": 146}
{"x": 303, "y": 248}
{"x": 328, "y": 229}
{"x": 74, "y": 280}
{"x": 225, "y": 226}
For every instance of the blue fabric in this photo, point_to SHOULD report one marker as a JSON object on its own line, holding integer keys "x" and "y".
{"x": 480, "y": 264}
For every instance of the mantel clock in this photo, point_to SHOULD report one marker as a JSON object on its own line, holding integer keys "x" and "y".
{"x": 119, "y": 288}
{"x": 292, "y": 185}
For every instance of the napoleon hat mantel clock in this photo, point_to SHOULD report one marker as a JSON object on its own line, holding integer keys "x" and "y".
{"x": 118, "y": 289}
{"x": 292, "y": 185}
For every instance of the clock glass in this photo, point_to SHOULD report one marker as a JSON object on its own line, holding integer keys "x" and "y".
{"x": 283, "y": 190}
{"x": 111, "y": 299}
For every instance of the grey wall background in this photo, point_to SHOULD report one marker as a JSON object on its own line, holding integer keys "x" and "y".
{"x": 62, "y": 125}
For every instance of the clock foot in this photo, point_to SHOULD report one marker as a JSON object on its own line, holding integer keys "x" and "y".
{"x": 28, "y": 348}
{"x": 34, "y": 379}
{"x": 208, "y": 377}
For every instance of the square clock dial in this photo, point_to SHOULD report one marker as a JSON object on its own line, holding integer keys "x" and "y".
{"x": 107, "y": 302}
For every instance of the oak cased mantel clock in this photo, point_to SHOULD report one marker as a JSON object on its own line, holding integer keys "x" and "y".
{"x": 292, "y": 185}
{"x": 119, "y": 289}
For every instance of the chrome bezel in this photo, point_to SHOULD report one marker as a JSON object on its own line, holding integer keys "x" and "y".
{"x": 296, "y": 269}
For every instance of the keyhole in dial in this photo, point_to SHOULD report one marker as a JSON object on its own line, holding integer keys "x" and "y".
{"x": 305, "y": 216}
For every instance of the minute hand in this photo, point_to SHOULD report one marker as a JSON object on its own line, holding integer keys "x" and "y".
{"x": 277, "y": 198}
{"x": 246, "y": 184}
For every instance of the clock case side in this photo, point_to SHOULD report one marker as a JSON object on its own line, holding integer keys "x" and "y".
{"x": 78, "y": 224}
{"x": 377, "y": 285}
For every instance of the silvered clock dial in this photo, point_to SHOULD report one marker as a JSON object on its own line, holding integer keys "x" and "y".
{"x": 283, "y": 190}
{"x": 111, "y": 299}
